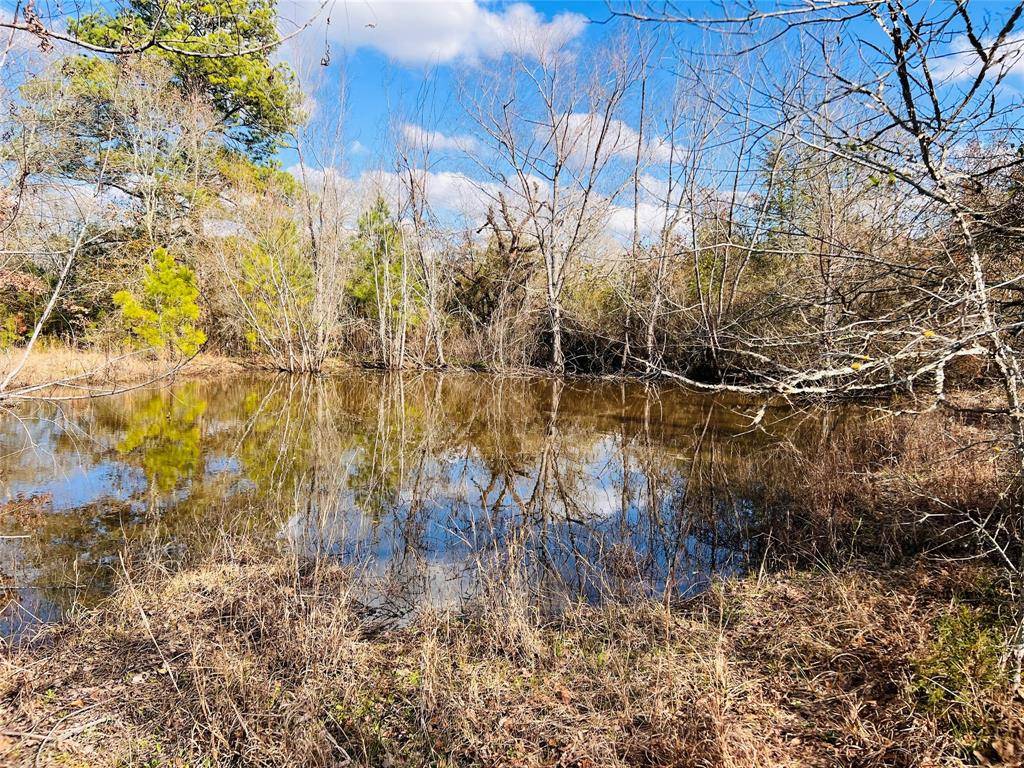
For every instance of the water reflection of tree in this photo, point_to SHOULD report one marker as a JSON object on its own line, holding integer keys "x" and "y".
{"x": 670, "y": 518}
{"x": 422, "y": 469}
{"x": 598, "y": 487}
{"x": 163, "y": 435}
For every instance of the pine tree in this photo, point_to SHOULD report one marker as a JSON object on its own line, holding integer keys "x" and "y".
{"x": 165, "y": 318}
{"x": 255, "y": 96}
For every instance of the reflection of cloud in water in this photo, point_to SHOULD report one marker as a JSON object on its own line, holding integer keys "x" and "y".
{"x": 80, "y": 485}
{"x": 414, "y": 479}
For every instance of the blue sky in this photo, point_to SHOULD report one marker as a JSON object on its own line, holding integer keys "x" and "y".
{"x": 401, "y": 62}
{"x": 391, "y": 55}
{"x": 385, "y": 50}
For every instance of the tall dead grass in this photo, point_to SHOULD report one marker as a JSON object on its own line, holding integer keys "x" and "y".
{"x": 95, "y": 367}
{"x": 248, "y": 660}
{"x": 889, "y": 487}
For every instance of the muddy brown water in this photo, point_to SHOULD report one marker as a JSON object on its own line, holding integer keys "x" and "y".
{"x": 600, "y": 488}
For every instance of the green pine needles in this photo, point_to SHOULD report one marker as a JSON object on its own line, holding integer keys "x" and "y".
{"x": 165, "y": 317}
{"x": 255, "y": 96}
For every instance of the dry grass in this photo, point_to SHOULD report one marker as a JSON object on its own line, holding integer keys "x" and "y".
{"x": 93, "y": 367}
{"x": 243, "y": 660}
{"x": 889, "y": 487}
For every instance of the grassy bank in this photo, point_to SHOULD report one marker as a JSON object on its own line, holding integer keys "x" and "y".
{"x": 78, "y": 369}
{"x": 242, "y": 660}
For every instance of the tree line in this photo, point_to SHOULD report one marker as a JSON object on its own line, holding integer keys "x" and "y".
{"x": 831, "y": 208}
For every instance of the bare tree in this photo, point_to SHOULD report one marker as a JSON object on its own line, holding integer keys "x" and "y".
{"x": 557, "y": 132}
{"x": 414, "y": 148}
{"x": 892, "y": 198}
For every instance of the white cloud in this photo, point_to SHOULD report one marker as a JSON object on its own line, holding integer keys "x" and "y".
{"x": 962, "y": 61}
{"x": 419, "y": 137}
{"x": 653, "y": 187}
{"x": 459, "y": 193}
{"x": 442, "y": 31}
{"x": 650, "y": 219}
{"x": 357, "y": 148}
{"x": 448, "y": 193}
{"x": 579, "y": 133}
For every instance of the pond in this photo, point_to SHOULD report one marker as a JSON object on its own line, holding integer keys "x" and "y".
{"x": 598, "y": 487}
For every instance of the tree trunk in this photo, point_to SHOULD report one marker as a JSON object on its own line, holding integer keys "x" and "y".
{"x": 557, "y": 356}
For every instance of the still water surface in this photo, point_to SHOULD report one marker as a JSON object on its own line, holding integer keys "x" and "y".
{"x": 600, "y": 487}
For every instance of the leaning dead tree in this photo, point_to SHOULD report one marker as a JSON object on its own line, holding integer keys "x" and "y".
{"x": 889, "y": 203}
{"x": 887, "y": 129}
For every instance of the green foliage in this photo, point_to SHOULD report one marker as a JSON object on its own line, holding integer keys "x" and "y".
{"x": 92, "y": 111}
{"x": 240, "y": 172}
{"x": 165, "y": 317}
{"x": 961, "y": 671}
{"x": 277, "y": 283}
{"x": 375, "y": 288}
{"x": 255, "y": 98}
{"x": 9, "y": 331}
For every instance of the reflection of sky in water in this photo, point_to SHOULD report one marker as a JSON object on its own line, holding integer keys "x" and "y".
{"x": 413, "y": 481}
{"x": 82, "y": 485}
